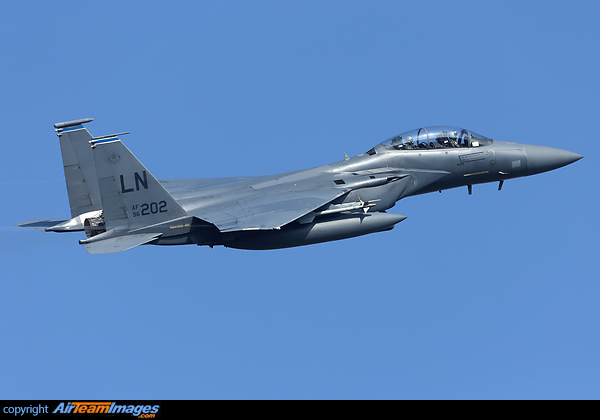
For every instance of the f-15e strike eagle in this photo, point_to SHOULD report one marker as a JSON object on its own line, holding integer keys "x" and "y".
{"x": 117, "y": 202}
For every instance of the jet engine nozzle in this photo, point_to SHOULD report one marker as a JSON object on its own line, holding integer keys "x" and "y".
{"x": 94, "y": 225}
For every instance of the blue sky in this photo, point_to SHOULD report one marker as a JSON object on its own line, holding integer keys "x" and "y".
{"x": 493, "y": 295}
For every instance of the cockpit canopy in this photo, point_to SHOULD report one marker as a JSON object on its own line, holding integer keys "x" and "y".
{"x": 426, "y": 138}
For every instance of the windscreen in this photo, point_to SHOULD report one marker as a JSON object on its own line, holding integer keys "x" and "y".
{"x": 433, "y": 138}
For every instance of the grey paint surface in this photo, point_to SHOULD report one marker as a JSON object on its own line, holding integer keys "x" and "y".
{"x": 119, "y": 204}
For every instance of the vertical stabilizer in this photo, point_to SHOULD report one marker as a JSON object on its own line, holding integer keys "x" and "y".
{"x": 132, "y": 198}
{"x": 79, "y": 167}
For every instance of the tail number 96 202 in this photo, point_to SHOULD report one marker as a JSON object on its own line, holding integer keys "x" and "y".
{"x": 146, "y": 209}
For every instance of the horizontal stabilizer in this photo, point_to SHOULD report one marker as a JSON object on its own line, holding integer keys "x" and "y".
{"x": 118, "y": 243}
{"x": 40, "y": 224}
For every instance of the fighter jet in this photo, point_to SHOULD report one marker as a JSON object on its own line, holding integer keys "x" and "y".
{"x": 119, "y": 205}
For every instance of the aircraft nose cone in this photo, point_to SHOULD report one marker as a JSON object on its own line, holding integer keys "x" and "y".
{"x": 543, "y": 158}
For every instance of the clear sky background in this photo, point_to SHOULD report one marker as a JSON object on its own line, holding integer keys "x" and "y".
{"x": 494, "y": 295}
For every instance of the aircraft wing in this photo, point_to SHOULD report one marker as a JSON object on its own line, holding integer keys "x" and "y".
{"x": 267, "y": 211}
{"x": 272, "y": 202}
